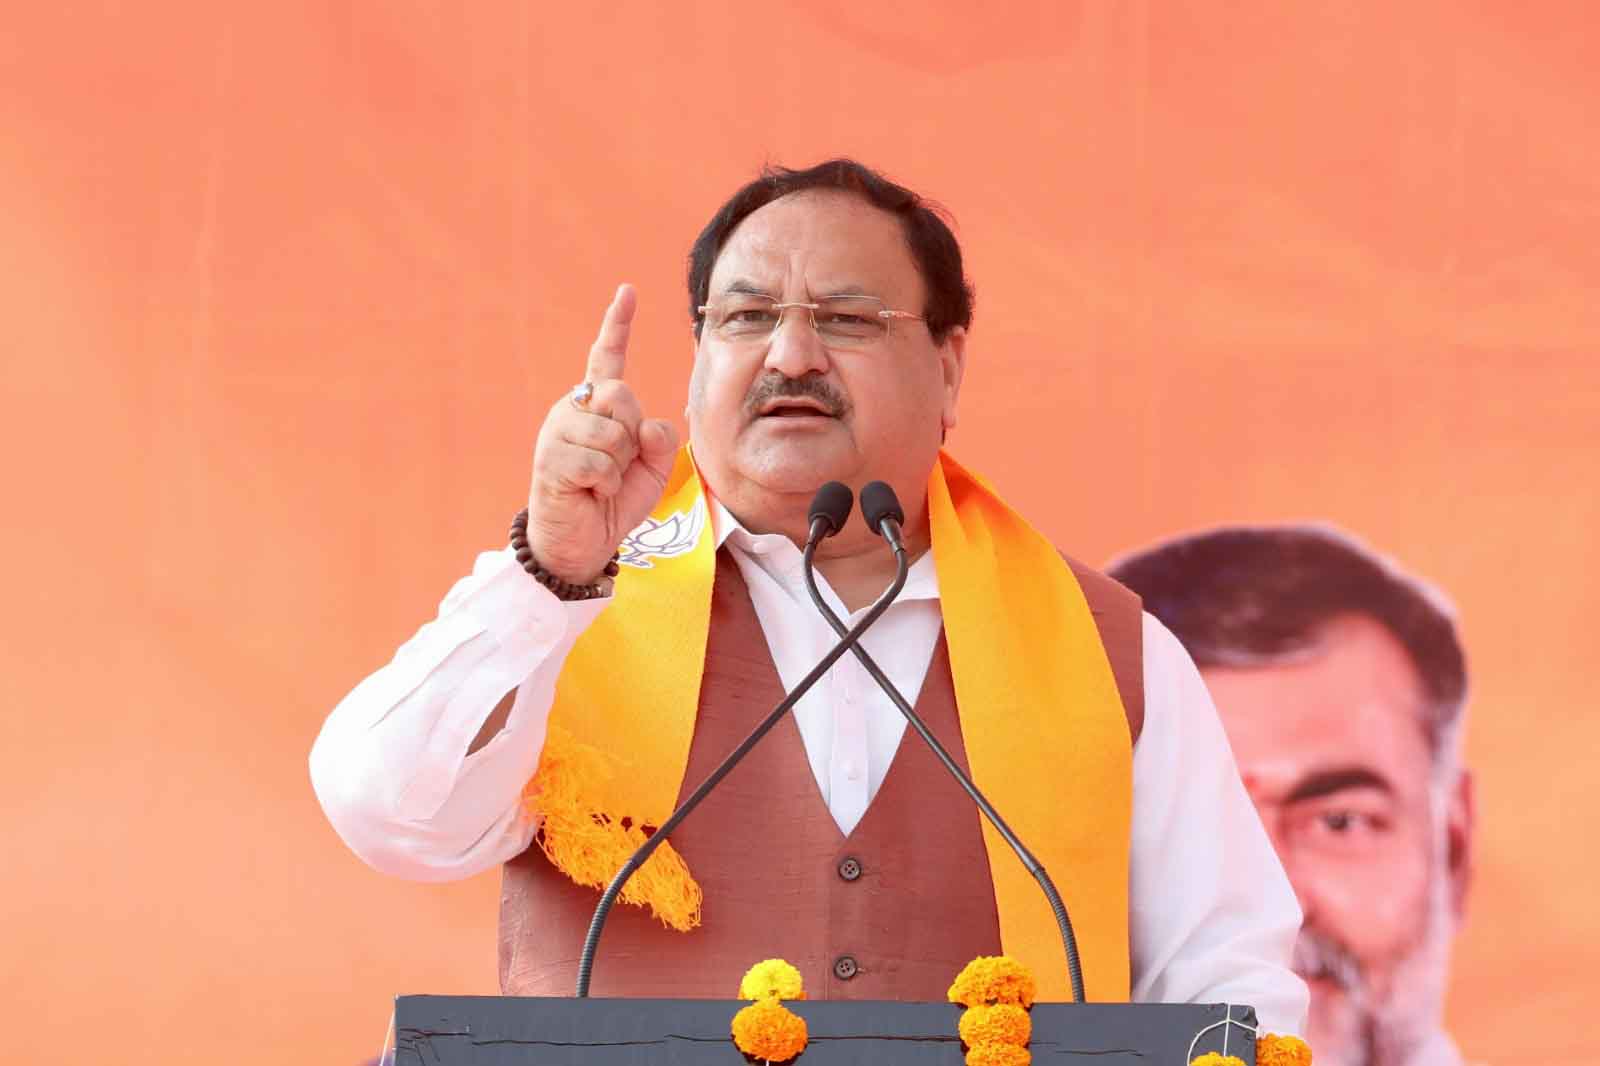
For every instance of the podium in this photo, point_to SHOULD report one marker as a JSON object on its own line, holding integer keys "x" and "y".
{"x": 518, "y": 1031}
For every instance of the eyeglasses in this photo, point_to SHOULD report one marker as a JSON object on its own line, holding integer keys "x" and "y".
{"x": 841, "y": 321}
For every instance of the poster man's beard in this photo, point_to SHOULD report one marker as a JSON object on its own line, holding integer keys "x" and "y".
{"x": 1372, "y": 1027}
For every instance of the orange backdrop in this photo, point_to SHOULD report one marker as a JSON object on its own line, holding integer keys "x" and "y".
{"x": 285, "y": 289}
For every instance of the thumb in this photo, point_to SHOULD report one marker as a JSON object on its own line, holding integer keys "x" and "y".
{"x": 658, "y": 445}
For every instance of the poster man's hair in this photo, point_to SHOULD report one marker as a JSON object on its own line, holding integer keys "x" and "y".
{"x": 1244, "y": 595}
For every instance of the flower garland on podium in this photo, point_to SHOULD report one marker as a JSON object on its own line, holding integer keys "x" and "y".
{"x": 997, "y": 992}
{"x": 1271, "y": 1050}
{"x": 766, "y": 1030}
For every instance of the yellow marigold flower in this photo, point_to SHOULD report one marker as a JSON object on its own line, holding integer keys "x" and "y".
{"x": 769, "y": 1031}
{"x": 1212, "y": 1058}
{"x": 771, "y": 979}
{"x": 990, "y": 979}
{"x": 1003, "y": 1023}
{"x": 1275, "y": 1050}
{"x": 998, "y": 1055}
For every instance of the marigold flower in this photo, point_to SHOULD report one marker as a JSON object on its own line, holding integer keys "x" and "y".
{"x": 1275, "y": 1050}
{"x": 991, "y": 979}
{"x": 1003, "y": 1023}
{"x": 999, "y": 1055}
{"x": 772, "y": 979}
{"x": 1212, "y": 1058}
{"x": 769, "y": 1031}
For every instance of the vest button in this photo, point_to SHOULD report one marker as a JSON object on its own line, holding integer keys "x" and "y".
{"x": 845, "y": 967}
{"x": 850, "y": 868}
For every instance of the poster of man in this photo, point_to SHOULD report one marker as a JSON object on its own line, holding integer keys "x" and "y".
{"x": 1341, "y": 682}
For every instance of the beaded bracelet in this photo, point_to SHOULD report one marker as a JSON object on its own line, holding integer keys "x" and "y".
{"x": 564, "y": 590}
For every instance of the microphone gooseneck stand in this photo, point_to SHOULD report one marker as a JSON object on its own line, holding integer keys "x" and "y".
{"x": 825, "y": 521}
{"x": 882, "y": 513}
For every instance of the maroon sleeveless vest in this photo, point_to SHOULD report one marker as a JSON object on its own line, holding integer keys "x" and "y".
{"x": 891, "y": 911}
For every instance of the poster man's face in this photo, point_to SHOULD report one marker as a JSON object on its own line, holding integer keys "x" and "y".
{"x": 1332, "y": 749}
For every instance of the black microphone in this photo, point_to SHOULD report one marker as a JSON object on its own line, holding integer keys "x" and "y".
{"x": 831, "y": 506}
{"x": 882, "y": 512}
{"x": 881, "y": 509}
{"x": 829, "y": 509}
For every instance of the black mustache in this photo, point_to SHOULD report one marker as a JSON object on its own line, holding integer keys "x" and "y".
{"x": 812, "y": 386}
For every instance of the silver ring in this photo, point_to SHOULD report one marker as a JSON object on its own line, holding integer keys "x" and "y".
{"x": 581, "y": 394}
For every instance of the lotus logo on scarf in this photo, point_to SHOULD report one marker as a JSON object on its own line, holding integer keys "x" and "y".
{"x": 665, "y": 538}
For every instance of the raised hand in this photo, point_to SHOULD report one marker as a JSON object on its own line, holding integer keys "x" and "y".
{"x": 600, "y": 467}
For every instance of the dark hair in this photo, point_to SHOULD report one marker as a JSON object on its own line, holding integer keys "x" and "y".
{"x": 1254, "y": 594}
{"x": 933, "y": 246}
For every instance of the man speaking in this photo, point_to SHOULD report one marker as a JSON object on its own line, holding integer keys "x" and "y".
{"x": 652, "y": 609}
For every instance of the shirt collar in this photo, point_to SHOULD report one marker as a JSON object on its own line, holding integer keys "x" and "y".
{"x": 764, "y": 549}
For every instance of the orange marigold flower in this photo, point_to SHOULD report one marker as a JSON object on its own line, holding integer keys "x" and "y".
{"x": 1003, "y": 1023}
{"x": 998, "y": 1055}
{"x": 772, "y": 979}
{"x": 769, "y": 1031}
{"x": 990, "y": 979}
{"x": 1212, "y": 1058}
{"x": 1275, "y": 1050}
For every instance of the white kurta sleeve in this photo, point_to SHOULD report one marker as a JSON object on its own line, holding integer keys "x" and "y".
{"x": 1212, "y": 916}
{"x": 390, "y": 766}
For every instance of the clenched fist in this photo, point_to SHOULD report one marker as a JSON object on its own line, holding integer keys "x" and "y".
{"x": 600, "y": 467}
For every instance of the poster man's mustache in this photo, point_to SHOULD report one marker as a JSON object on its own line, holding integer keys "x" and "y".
{"x": 1319, "y": 955}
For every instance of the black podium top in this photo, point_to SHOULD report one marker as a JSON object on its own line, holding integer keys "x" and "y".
{"x": 512, "y": 1031}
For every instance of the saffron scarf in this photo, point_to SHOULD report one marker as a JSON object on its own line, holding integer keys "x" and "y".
{"x": 1041, "y": 718}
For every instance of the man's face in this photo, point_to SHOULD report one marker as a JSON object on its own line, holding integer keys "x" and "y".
{"x": 883, "y": 408}
{"x": 1333, "y": 751}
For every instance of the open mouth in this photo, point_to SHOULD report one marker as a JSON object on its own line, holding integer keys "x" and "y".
{"x": 797, "y": 409}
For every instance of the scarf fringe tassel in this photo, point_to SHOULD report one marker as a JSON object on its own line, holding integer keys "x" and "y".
{"x": 589, "y": 846}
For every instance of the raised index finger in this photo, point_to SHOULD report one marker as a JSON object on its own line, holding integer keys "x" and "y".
{"x": 610, "y": 352}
